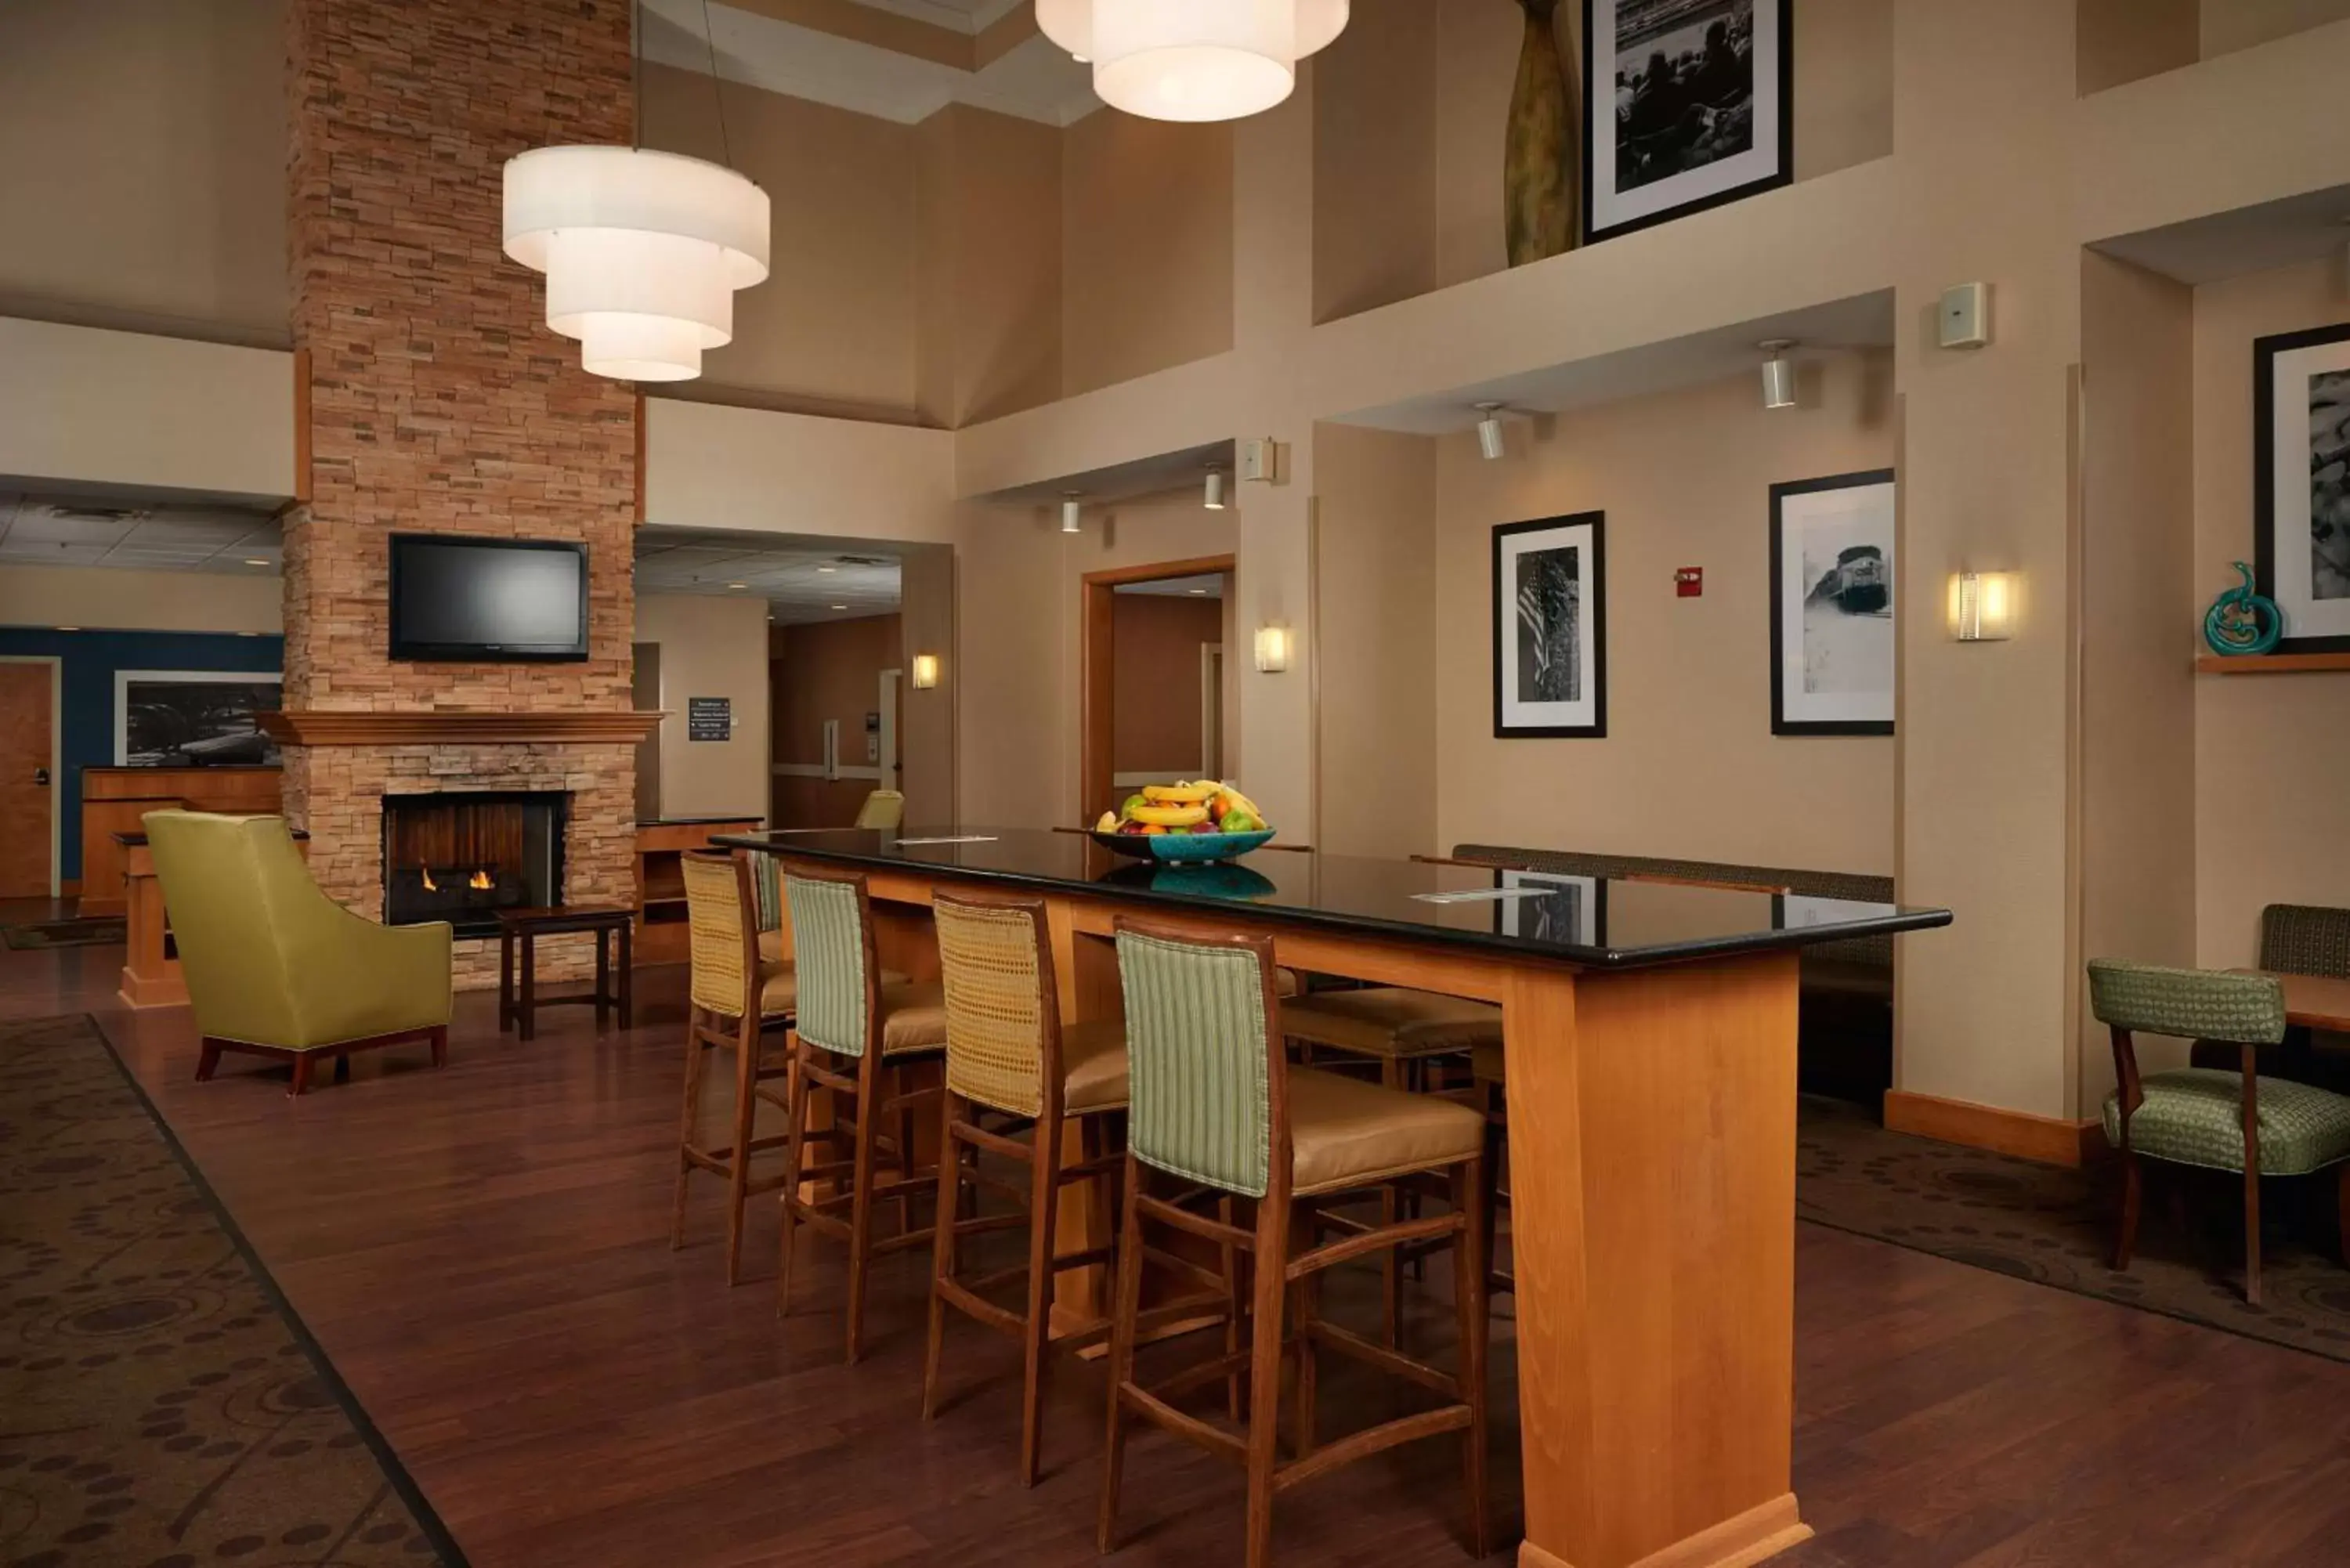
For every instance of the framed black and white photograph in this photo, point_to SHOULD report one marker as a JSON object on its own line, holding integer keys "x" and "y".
{"x": 1687, "y": 105}
{"x": 1550, "y": 628}
{"x": 1561, "y": 908}
{"x": 1831, "y": 610}
{"x": 193, "y": 718}
{"x": 2300, "y": 485}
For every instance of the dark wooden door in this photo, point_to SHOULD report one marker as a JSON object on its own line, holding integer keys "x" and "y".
{"x": 27, "y": 792}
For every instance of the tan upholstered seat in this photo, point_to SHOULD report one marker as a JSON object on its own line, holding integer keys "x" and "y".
{"x": 1287, "y": 983}
{"x": 1389, "y": 1021}
{"x": 913, "y": 1017}
{"x": 1093, "y": 1066}
{"x": 1347, "y": 1132}
{"x": 779, "y": 988}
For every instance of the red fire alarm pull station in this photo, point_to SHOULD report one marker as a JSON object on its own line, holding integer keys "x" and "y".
{"x": 1688, "y": 583}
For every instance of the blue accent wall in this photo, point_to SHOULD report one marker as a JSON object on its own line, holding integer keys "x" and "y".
{"x": 86, "y": 721}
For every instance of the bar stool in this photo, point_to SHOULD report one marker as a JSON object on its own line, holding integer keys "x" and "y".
{"x": 1009, "y": 1052}
{"x": 1404, "y": 1031}
{"x": 862, "y": 1036}
{"x": 735, "y": 994}
{"x": 1486, "y": 1070}
{"x": 1216, "y": 1104}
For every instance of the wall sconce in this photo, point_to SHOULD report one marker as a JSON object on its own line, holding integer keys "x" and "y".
{"x": 926, "y": 671}
{"x": 1272, "y": 650}
{"x": 1982, "y": 605}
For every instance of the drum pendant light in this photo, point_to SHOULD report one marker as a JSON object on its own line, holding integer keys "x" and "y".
{"x": 1193, "y": 60}
{"x": 642, "y": 250}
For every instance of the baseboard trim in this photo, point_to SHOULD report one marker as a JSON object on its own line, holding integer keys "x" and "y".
{"x": 2051, "y": 1141}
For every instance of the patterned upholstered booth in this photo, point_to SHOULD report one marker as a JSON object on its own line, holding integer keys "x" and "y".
{"x": 2299, "y": 939}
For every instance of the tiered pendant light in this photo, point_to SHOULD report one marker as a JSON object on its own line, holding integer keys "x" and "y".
{"x": 1193, "y": 60}
{"x": 642, "y": 250}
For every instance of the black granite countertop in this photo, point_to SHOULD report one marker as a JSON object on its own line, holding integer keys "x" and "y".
{"x": 1597, "y": 922}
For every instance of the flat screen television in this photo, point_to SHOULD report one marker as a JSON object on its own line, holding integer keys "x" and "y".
{"x": 455, "y": 598}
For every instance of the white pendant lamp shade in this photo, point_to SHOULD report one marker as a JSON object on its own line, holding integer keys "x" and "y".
{"x": 642, "y": 251}
{"x": 1193, "y": 60}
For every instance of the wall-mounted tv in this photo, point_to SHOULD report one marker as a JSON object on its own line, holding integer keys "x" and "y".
{"x": 456, "y": 598}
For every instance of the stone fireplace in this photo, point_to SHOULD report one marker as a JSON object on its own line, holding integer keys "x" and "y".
{"x": 465, "y": 854}
{"x": 431, "y": 397}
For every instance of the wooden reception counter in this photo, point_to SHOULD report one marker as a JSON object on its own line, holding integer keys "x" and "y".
{"x": 1649, "y": 1035}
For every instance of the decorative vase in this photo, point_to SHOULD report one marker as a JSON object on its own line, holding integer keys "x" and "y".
{"x": 1539, "y": 168}
{"x": 2243, "y": 620}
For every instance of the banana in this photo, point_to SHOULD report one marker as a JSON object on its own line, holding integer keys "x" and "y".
{"x": 1179, "y": 795}
{"x": 1235, "y": 799}
{"x": 1169, "y": 816}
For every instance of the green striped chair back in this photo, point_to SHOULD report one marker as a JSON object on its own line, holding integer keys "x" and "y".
{"x": 830, "y": 955}
{"x": 768, "y": 889}
{"x": 1200, "y": 1056}
{"x": 2192, "y": 1004}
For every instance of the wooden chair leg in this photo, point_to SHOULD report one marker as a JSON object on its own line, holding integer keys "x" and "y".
{"x": 860, "y": 1201}
{"x": 738, "y": 1163}
{"x": 1469, "y": 1267}
{"x": 1394, "y": 1074}
{"x": 696, "y": 1054}
{"x": 440, "y": 1038}
{"x": 2133, "y": 1185}
{"x": 1125, "y": 1305}
{"x": 342, "y": 1067}
{"x": 301, "y": 1082}
{"x": 2252, "y": 1235}
{"x": 1304, "y": 1305}
{"x": 208, "y": 1063}
{"x": 1264, "y": 1378}
{"x": 1044, "y": 1195}
{"x": 796, "y": 1098}
{"x": 943, "y": 1249}
{"x": 1229, "y": 1257}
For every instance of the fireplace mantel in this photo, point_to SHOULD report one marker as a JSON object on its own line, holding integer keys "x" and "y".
{"x": 456, "y": 727}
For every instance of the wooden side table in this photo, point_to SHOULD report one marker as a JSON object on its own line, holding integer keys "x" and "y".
{"x": 522, "y": 928}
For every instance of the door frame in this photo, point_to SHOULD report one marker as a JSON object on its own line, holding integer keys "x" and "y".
{"x": 884, "y": 759}
{"x": 1097, "y": 683}
{"x": 56, "y": 663}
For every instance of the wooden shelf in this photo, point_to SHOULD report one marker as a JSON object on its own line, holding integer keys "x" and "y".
{"x": 458, "y": 727}
{"x": 2270, "y": 663}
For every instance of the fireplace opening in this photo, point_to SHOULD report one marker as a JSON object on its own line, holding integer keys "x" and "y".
{"x": 462, "y": 858}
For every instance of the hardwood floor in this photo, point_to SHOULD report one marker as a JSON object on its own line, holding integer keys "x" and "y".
{"x": 481, "y": 1251}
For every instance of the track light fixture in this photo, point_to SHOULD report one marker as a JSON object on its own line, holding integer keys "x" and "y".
{"x": 1214, "y": 500}
{"x": 1778, "y": 373}
{"x": 1489, "y": 431}
{"x": 1073, "y": 513}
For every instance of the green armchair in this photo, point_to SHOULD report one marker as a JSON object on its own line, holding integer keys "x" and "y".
{"x": 274, "y": 967}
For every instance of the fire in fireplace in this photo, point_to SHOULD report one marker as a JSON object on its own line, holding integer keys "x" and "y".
{"x": 462, "y": 858}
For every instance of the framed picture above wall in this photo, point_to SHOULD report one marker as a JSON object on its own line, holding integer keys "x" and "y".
{"x": 1550, "y": 628}
{"x": 1687, "y": 105}
{"x": 1832, "y": 609}
{"x": 2300, "y": 485}
{"x": 193, "y": 718}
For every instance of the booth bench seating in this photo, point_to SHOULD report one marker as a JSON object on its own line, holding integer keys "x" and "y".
{"x": 1847, "y": 1012}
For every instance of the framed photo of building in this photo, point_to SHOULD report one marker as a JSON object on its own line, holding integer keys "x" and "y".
{"x": 193, "y": 718}
{"x": 2300, "y": 485}
{"x": 1550, "y": 628}
{"x": 1687, "y": 105}
{"x": 1832, "y": 609}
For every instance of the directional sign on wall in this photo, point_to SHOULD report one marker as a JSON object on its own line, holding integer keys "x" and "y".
{"x": 709, "y": 718}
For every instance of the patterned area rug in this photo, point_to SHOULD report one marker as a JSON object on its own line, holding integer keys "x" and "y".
{"x": 160, "y": 1407}
{"x": 2054, "y": 1227}
{"x": 93, "y": 932}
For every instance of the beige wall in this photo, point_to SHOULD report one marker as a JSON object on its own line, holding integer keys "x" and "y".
{"x": 2121, "y": 40}
{"x": 144, "y": 183}
{"x": 927, "y": 741}
{"x": 95, "y": 597}
{"x": 2241, "y": 23}
{"x": 832, "y": 329}
{"x": 1375, "y": 643}
{"x": 1146, "y": 247}
{"x": 2270, "y": 752}
{"x": 2136, "y": 724}
{"x": 1375, "y": 159}
{"x": 762, "y": 471}
{"x": 990, "y": 265}
{"x": 1688, "y": 766}
{"x": 711, "y": 647}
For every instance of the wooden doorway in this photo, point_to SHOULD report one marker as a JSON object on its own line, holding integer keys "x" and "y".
{"x": 1097, "y": 788}
{"x": 29, "y": 765}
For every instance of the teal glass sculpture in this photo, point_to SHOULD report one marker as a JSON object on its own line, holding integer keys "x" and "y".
{"x": 2243, "y": 620}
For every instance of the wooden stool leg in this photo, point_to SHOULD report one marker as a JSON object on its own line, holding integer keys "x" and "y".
{"x": 738, "y": 1163}
{"x": 527, "y": 1016}
{"x": 1469, "y": 1297}
{"x": 1043, "y": 1201}
{"x": 1235, "y": 1306}
{"x": 506, "y": 981}
{"x": 2341, "y": 1210}
{"x": 796, "y": 1098}
{"x": 628, "y": 977}
{"x": 1395, "y": 1074}
{"x": 208, "y": 1063}
{"x": 603, "y": 976}
{"x": 2251, "y": 1234}
{"x": 1126, "y": 1304}
{"x": 1264, "y": 1377}
{"x": 860, "y": 1201}
{"x": 1304, "y": 1304}
{"x": 943, "y": 1250}
{"x": 695, "y": 1056}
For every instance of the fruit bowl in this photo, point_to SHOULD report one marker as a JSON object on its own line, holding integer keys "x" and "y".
{"x": 1183, "y": 848}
